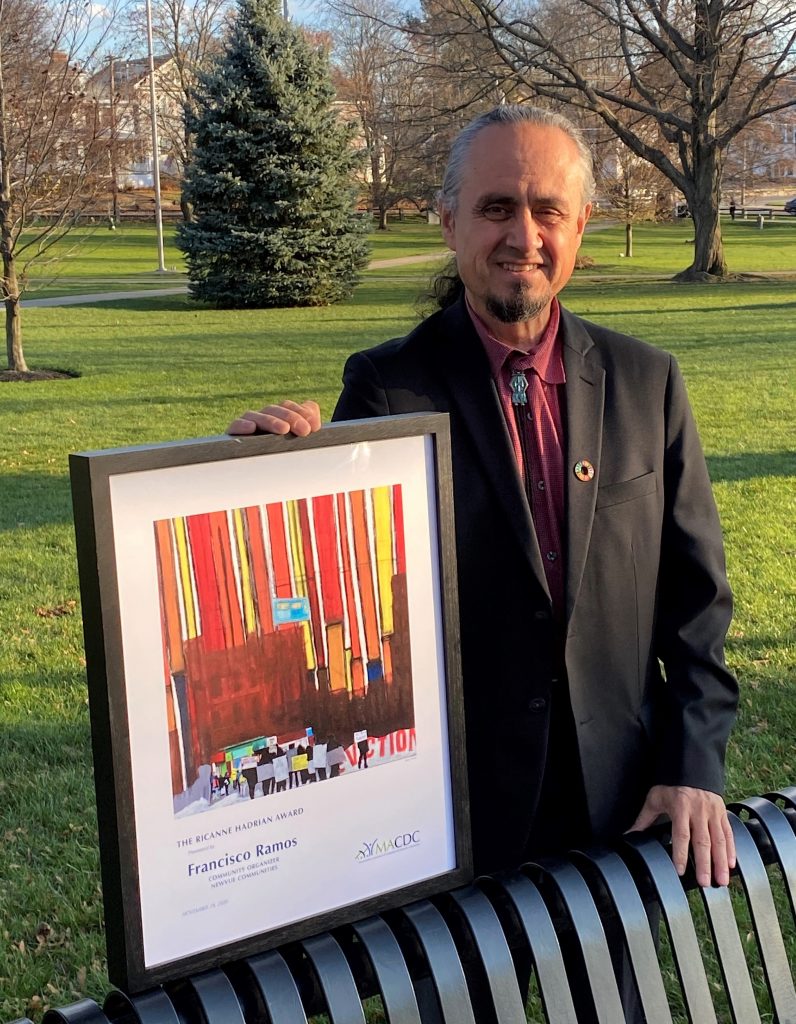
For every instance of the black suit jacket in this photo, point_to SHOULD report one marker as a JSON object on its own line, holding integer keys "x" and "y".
{"x": 647, "y": 601}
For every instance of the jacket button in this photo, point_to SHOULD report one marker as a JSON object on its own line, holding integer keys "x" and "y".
{"x": 541, "y": 616}
{"x": 536, "y": 705}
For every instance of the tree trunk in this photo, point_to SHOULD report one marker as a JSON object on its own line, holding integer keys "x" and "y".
{"x": 704, "y": 203}
{"x": 705, "y": 197}
{"x": 16, "y": 357}
{"x": 10, "y": 285}
{"x": 187, "y": 211}
{"x": 629, "y": 239}
{"x": 382, "y": 218}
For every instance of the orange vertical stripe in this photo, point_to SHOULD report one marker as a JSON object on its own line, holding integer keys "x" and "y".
{"x": 337, "y": 661}
{"x": 169, "y": 596}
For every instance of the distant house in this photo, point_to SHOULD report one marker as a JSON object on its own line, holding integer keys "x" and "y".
{"x": 784, "y": 149}
{"x": 121, "y": 90}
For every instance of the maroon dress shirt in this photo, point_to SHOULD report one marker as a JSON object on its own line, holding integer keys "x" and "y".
{"x": 537, "y": 435}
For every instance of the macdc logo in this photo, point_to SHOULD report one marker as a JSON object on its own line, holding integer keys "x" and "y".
{"x": 382, "y": 847}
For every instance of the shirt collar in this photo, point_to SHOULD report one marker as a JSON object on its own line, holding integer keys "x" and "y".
{"x": 545, "y": 358}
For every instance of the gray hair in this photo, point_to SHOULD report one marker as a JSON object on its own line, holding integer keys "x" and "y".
{"x": 510, "y": 113}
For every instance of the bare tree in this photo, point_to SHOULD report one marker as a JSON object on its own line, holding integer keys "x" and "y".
{"x": 675, "y": 80}
{"x": 189, "y": 33}
{"x": 636, "y": 190}
{"x": 413, "y": 80}
{"x": 373, "y": 79}
{"x": 54, "y": 148}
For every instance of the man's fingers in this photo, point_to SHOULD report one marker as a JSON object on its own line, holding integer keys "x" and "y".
{"x": 647, "y": 816}
{"x": 703, "y": 852}
{"x": 699, "y": 820}
{"x": 311, "y": 412}
{"x": 681, "y": 839}
{"x": 287, "y": 417}
{"x": 699, "y": 824}
{"x": 719, "y": 853}
{"x": 729, "y": 839}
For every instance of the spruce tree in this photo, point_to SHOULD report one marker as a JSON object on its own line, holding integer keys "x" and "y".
{"x": 272, "y": 174}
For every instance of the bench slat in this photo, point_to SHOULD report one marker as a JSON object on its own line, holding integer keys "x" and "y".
{"x": 490, "y": 941}
{"x": 765, "y": 923}
{"x": 677, "y": 915}
{"x": 548, "y": 961}
{"x": 629, "y": 908}
{"x": 389, "y": 967}
{"x": 277, "y": 987}
{"x": 336, "y": 980}
{"x": 443, "y": 960}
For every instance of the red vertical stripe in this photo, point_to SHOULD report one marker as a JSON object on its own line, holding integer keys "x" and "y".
{"x": 280, "y": 558}
{"x": 259, "y": 568}
{"x": 348, "y": 577}
{"x": 231, "y": 612}
{"x": 328, "y": 565}
{"x": 207, "y": 595}
{"x": 398, "y": 528}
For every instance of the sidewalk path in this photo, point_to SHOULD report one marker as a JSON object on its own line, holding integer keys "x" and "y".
{"x": 82, "y": 300}
{"x": 146, "y": 293}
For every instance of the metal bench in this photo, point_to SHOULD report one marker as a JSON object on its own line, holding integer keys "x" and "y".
{"x": 453, "y": 960}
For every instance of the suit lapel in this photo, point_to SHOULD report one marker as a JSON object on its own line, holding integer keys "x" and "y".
{"x": 585, "y": 400}
{"x": 465, "y": 369}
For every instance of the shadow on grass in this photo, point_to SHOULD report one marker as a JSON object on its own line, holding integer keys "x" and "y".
{"x": 731, "y": 468}
{"x": 161, "y": 304}
{"x": 690, "y": 311}
{"x": 34, "y": 499}
{"x": 52, "y": 745}
{"x": 756, "y": 650}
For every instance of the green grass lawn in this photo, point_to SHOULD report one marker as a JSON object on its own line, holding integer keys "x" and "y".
{"x": 667, "y": 248}
{"x": 163, "y": 368}
{"x": 93, "y": 259}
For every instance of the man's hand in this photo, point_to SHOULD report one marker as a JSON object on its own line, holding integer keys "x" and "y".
{"x": 698, "y": 818}
{"x": 299, "y": 418}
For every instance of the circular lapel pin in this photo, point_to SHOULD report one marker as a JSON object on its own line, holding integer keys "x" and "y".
{"x": 584, "y": 470}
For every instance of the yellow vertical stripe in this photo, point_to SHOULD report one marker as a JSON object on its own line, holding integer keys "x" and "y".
{"x": 300, "y": 575}
{"x": 349, "y": 680}
{"x": 183, "y": 555}
{"x": 382, "y": 521}
{"x": 249, "y": 617}
{"x": 296, "y": 553}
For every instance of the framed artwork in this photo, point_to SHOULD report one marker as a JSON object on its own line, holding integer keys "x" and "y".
{"x": 271, "y": 632}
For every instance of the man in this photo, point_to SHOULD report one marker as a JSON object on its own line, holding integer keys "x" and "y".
{"x": 589, "y": 549}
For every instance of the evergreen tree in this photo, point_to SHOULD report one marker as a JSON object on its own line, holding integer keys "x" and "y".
{"x": 271, "y": 178}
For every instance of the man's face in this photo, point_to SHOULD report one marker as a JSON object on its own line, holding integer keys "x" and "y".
{"x": 518, "y": 225}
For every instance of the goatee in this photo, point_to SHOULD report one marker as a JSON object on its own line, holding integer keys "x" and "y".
{"x": 516, "y": 308}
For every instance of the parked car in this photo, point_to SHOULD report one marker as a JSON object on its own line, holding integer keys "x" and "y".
{"x": 790, "y": 206}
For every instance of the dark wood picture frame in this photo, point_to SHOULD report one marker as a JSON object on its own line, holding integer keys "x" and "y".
{"x": 101, "y": 540}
